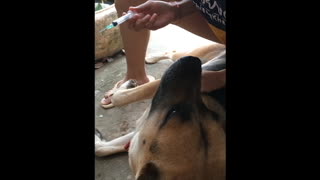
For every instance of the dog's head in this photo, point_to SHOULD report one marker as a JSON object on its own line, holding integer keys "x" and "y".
{"x": 179, "y": 137}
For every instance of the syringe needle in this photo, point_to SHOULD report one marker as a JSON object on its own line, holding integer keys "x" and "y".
{"x": 107, "y": 27}
{"x": 103, "y": 29}
{"x": 120, "y": 20}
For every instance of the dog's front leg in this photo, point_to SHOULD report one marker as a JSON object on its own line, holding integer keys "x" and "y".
{"x": 145, "y": 91}
{"x": 103, "y": 148}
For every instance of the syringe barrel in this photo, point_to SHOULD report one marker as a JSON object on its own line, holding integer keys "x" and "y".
{"x": 124, "y": 18}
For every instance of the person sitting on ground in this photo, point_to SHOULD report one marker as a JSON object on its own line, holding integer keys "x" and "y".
{"x": 203, "y": 18}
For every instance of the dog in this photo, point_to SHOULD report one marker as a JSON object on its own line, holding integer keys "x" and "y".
{"x": 182, "y": 133}
{"x": 209, "y": 54}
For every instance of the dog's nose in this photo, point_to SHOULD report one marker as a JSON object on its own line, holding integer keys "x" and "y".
{"x": 188, "y": 68}
{"x": 181, "y": 81}
{"x": 184, "y": 72}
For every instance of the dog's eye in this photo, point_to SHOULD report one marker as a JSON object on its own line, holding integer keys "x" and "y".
{"x": 171, "y": 113}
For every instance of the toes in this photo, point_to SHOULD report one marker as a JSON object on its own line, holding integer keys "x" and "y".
{"x": 106, "y": 100}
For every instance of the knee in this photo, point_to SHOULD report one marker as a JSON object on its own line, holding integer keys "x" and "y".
{"x": 123, "y": 5}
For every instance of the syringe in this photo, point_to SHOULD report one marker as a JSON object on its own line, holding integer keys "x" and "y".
{"x": 120, "y": 20}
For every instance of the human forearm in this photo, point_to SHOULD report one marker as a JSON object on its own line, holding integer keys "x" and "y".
{"x": 213, "y": 80}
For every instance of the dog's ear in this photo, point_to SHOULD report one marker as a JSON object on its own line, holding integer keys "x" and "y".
{"x": 149, "y": 172}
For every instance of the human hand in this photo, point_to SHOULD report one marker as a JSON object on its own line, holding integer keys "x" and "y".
{"x": 152, "y": 15}
{"x": 212, "y": 80}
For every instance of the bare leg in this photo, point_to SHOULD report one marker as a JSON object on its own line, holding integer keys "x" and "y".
{"x": 196, "y": 24}
{"x": 135, "y": 46}
{"x": 103, "y": 148}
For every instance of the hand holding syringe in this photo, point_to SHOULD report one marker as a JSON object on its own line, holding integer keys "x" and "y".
{"x": 120, "y": 20}
{"x": 152, "y": 15}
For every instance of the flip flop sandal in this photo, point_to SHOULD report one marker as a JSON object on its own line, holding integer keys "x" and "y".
{"x": 113, "y": 90}
{"x": 126, "y": 86}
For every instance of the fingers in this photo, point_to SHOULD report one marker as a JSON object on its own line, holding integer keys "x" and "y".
{"x": 131, "y": 22}
{"x": 141, "y": 21}
{"x": 149, "y": 25}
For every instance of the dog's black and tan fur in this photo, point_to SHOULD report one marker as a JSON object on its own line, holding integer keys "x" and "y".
{"x": 181, "y": 135}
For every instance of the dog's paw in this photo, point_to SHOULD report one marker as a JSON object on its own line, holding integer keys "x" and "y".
{"x": 99, "y": 142}
{"x": 104, "y": 148}
{"x": 98, "y": 136}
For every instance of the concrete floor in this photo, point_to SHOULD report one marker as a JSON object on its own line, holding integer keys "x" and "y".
{"x": 118, "y": 121}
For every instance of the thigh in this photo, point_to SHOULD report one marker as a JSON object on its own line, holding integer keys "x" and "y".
{"x": 197, "y": 24}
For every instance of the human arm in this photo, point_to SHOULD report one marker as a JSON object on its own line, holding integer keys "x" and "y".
{"x": 154, "y": 15}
